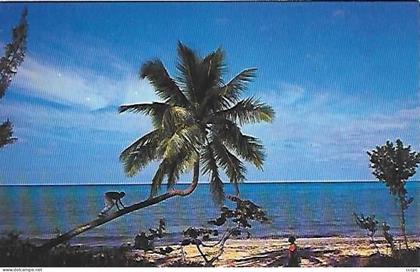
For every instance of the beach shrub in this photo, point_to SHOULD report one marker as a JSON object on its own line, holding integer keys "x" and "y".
{"x": 18, "y": 252}
{"x": 393, "y": 164}
{"x": 244, "y": 214}
{"x": 368, "y": 223}
{"x": 388, "y": 237}
{"x": 145, "y": 241}
{"x": 15, "y": 251}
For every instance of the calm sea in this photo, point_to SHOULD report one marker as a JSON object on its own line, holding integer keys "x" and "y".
{"x": 302, "y": 209}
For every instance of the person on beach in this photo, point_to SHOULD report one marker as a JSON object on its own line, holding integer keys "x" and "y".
{"x": 293, "y": 253}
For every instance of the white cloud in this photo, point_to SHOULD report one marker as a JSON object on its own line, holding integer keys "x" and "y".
{"x": 38, "y": 120}
{"x": 290, "y": 93}
{"x": 92, "y": 99}
{"x": 80, "y": 87}
{"x": 320, "y": 126}
{"x": 136, "y": 91}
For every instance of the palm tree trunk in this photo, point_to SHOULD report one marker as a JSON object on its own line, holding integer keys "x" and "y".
{"x": 137, "y": 206}
{"x": 403, "y": 226}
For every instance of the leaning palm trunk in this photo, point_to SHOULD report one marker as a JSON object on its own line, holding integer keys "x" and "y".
{"x": 140, "y": 205}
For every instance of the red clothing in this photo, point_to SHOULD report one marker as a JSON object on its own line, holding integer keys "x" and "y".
{"x": 292, "y": 248}
{"x": 293, "y": 256}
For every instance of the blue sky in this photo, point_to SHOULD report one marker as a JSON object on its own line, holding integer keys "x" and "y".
{"x": 342, "y": 78}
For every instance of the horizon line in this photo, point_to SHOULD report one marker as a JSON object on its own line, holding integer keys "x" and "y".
{"x": 206, "y": 182}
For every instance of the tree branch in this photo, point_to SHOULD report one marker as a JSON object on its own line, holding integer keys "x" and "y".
{"x": 222, "y": 242}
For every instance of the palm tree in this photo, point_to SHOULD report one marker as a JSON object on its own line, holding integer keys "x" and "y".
{"x": 197, "y": 123}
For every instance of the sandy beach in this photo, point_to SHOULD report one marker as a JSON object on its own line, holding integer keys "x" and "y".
{"x": 314, "y": 252}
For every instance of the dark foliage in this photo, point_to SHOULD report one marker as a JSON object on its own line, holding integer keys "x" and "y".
{"x": 6, "y": 134}
{"x": 368, "y": 223}
{"x": 16, "y": 252}
{"x": 13, "y": 57}
{"x": 14, "y": 54}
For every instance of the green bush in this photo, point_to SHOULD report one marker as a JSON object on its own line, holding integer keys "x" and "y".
{"x": 394, "y": 164}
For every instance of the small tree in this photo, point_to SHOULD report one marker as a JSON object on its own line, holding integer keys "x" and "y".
{"x": 241, "y": 217}
{"x": 13, "y": 56}
{"x": 370, "y": 224}
{"x": 394, "y": 165}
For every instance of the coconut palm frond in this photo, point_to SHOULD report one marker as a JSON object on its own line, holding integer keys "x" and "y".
{"x": 180, "y": 151}
{"x": 183, "y": 162}
{"x": 145, "y": 108}
{"x": 156, "y": 110}
{"x": 212, "y": 69}
{"x": 210, "y": 167}
{"x": 165, "y": 87}
{"x": 247, "y": 147}
{"x": 249, "y": 110}
{"x": 152, "y": 136}
{"x": 158, "y": 177}
{"x": 232, "y": 90}
{"x": 234, "y": 167}
{"x": 140, "y": 153}
{"x": 186, "y": 138}
{"x": 188, "y": 67}
{"x": 214, "y": 66}
{"x": 173, "y": 174}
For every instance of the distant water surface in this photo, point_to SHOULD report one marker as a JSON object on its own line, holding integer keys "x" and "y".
{"x": 302, "y": 209}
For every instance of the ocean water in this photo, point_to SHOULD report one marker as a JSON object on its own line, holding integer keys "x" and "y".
{"x": 302, "y": 209}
